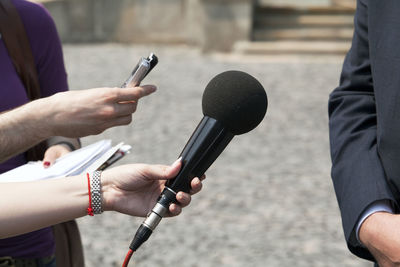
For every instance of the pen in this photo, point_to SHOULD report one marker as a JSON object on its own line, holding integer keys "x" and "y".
{"x": 114, "y": 158}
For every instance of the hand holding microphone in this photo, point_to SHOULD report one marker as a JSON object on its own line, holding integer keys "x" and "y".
{"x": 233, "y": 103}
{"x": 134, "y": 189}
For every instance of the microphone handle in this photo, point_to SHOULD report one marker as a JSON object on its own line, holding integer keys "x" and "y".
{"x": 204, "y": 146}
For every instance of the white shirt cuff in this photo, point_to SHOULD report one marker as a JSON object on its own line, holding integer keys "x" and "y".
{"x": 377, "y": 206}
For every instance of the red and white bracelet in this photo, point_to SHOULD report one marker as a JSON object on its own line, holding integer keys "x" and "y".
{"x": 94, "y": 192}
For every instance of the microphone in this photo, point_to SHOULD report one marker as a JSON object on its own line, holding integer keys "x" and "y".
{"x": 233, "y": 103}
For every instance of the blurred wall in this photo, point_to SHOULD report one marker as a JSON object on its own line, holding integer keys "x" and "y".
{"x": 299, "y": 3}
{"x": 210, "y": 24}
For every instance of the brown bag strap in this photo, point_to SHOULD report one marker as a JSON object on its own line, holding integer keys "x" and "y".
{"x": 16, "y": 41}
{"x": 19, "y": 49}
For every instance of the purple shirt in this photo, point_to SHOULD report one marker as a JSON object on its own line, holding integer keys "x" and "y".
{"x": 46, "y": 49}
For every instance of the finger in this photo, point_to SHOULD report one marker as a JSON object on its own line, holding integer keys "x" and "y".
{"x": 123, "y": 120}
{"x": 134, "y": 93}
{"x": 196, "y": 185}
{"x": 49, "y": 157}
{"x": 147, "y": 89}
{"x": 99, "y": 128}
{"x": 62, "y": 150}
{"x": 53, "y": 153}
{"x": 174, "y": 169}
{"x": 174, "y": 209}
{"x": 203, "y": 177}
{"x": 183, "y": 199}
{"x": 125, "y": 108}
{"x": 160, "y": 172}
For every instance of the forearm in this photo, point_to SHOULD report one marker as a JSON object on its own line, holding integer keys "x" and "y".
{"x": 131, "y": 189}
{"x": 26, "y": 207}
{"x": 23, "y": 127}
{"x": 70, "y": 114}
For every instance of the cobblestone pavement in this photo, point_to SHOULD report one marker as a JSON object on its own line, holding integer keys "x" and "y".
{"x": 267, "y": 201}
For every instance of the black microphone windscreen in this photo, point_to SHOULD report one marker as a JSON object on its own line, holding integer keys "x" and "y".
{"x": 237, "y": 100}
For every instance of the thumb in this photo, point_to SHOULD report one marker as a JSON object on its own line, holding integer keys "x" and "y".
{"x": 162, "y": 172}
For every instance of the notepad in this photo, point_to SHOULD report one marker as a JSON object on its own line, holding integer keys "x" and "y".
{"x": 99, "y": 155}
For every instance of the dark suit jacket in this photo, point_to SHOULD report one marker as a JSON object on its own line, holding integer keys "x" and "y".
{"x": 365, "y": 116}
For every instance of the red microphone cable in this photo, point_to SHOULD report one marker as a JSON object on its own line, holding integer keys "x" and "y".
{"x": 127, "y": 258}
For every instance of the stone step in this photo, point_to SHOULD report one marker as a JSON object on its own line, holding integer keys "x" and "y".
{"x": 303, "y": 20}
{"x": 294, "y": 3}
{"x": 322, "y": 34}
{"x": 309, "y": 10}
{"x": 292, "y": 47}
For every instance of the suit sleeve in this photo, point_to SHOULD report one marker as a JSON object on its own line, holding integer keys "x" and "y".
{"x": 357, "y": 172}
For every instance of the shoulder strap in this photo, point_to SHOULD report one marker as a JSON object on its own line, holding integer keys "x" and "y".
{"x": 18, "y": 46}
{"x": 14, "y": 36}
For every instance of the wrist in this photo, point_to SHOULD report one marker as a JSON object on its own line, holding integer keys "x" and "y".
{"x": 371, "y": 228}
{"x": 107, "y": 191}
{"x": 377, "y": 206}
{"x": 50, "y": 113}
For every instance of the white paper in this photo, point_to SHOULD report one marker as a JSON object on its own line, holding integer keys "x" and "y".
{"x": 73, "y": 163}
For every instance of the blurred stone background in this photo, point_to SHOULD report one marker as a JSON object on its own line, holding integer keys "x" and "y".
{"x": 268, "y": 200}
{"x": 238, "y": 26}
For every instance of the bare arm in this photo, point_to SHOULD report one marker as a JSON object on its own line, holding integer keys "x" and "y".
{"x": 130, "y": 189}
{"x": 23, "y": 128}
{"x": 70, "y": 114}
